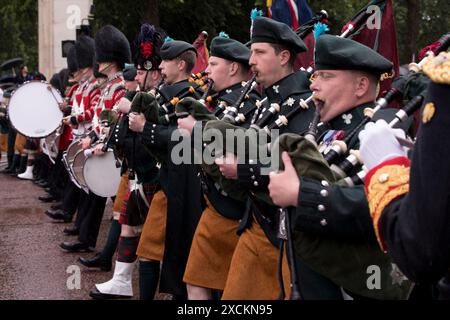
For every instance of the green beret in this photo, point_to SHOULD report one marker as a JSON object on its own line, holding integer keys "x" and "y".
{"x": 271, "y": 31}
{"x": 336, "y": 53}
{"x": 129, "y": 73}
{"x": 230, "y": 49}
{"x": 8, "y": 93}
{"x": 172, "y": 49}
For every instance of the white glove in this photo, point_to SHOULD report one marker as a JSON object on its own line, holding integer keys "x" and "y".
{"x": 378, "y": 143}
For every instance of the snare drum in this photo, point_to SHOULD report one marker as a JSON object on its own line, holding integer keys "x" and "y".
{"x": 77, "y": 168}
{"x": 49, "y": 145}
{"x": 101, "y": 174}
{"x": 70, "y": 158}
{"x": 34, "y": 109}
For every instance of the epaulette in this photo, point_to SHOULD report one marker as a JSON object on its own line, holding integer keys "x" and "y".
{"x": 438, "y": 68}
{"x": 384, "y": 184}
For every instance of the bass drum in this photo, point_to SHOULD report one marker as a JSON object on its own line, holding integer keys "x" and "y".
{"x": 101, "y": 174}
{"x": 34, "y": 109}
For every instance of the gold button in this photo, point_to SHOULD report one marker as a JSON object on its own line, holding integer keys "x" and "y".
{"x": 383, "y": 178}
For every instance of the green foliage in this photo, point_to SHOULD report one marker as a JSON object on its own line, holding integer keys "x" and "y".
{"x": 19, "y": 31}
{"x": 434, "y": 20}
{"x": 181, "y": 19}
{"x": 185, "y": 19}
{"x": 124, "y": 15}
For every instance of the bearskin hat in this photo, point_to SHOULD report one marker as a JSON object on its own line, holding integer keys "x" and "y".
{"x": 72, "y": 62}
{"x": 111, "y": 45}
{"x": 148, "y": 45}
{"x": 55, "y": 81}
{"x": 85, "y": 51}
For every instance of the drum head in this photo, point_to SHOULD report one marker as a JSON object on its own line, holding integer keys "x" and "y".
{"x": 77, "y": 165}
{"x": 101, "y": 174}
{"x": 72, "y": 151}
{"x": 51, "y": 145}
{"x": 34, "y": 110}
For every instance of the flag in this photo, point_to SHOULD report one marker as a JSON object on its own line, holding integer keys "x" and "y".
{"x": 294, "y": 13}
{"x": 291, "y": 12}
{"x": 383, "y": 40}
{"x": 202, "y": 52}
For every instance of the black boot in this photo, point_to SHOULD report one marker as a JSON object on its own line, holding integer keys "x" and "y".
{"x": 10, "y": 161}
{"x": 14, "y": 164}
{"x": 96, "y": 262}
{"x": 148, "y": 279}
{"x": 111, "y": 243}
{"x": 23, "y": 164}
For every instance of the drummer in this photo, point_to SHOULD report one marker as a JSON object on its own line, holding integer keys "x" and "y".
{"x": 4, "y": 127}
{"x": 11, "y": 137}
{"x": 31, "y": 147}
{"x": 59, "y": 176}
{"x": 112, "y": 52}
{"x": 86, "y": 97}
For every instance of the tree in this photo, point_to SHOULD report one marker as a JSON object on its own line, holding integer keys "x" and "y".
{"x": 19, "y": 31}
{"x": 419, "y": 22}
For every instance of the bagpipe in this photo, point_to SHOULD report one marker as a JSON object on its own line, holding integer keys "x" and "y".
{"x": 398, "y": 89}
{"x": 309, "y": 162}
{"x": 231, "y": 114}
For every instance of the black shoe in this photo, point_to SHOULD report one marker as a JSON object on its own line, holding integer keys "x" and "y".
{"x": 96, "y": 262}
{"x": 59, "y": 215}
{"x": 75, "y": 247}
{"x": 47, "y": 198}
{"x": 23, "y": 164}
{"x": 56, "y": 206}
{"x": 14, "y": 166}
{"x": 43, "y": 184}
{"x": 72, "y": 231}
{"x": 50, "y": 212}
{"x": 97, "y": 295}
{"x": 6, "y": 170}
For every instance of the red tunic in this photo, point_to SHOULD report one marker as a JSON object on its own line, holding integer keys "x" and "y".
{"x": 66, "y": 136}
{"x": 90, "y": 97}
{"x": 109, "y": 99}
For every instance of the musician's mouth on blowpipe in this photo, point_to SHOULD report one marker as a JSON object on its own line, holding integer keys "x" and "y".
{"x": 319, "y": 101}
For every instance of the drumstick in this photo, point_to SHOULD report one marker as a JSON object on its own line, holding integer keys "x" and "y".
{"x": 50, "y": 88}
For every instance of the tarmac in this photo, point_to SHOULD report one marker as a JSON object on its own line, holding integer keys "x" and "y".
{"x": 32, "y": 265}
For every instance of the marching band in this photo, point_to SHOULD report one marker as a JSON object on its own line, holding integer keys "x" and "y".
{"x": 313, "y": 177}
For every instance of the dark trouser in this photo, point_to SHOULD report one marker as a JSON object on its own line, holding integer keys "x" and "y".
{"x": 58, "y": 178}
{"x": 42, "y": 167}
{"x": 11, "y": 141}
{"x": 71, "y": 198}
{"x": 90, "y": 226}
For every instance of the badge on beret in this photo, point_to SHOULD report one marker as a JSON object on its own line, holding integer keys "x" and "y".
{"x": 148, "y": 65}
